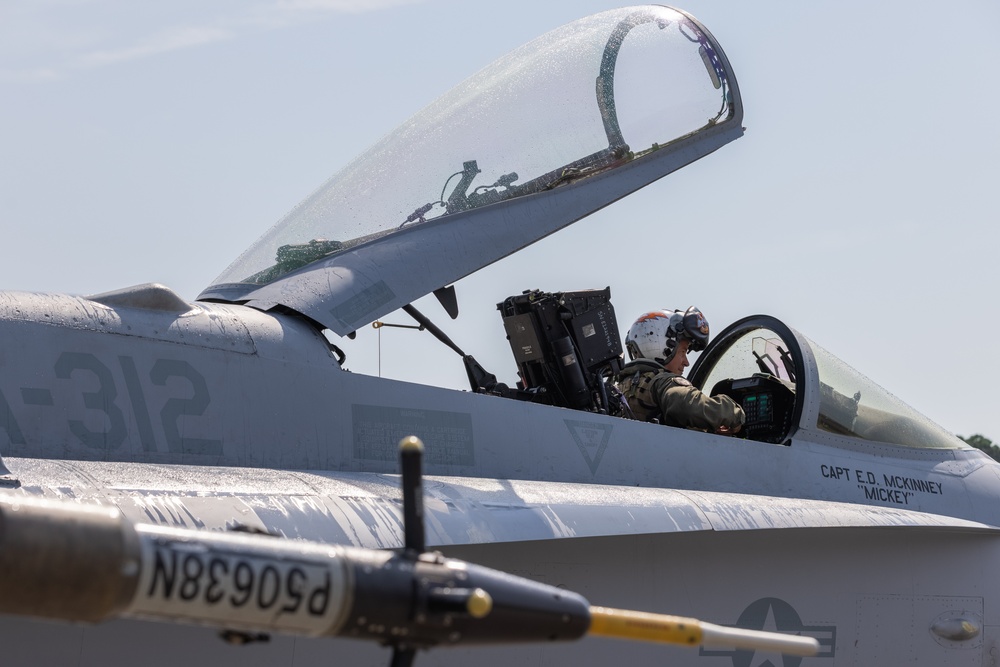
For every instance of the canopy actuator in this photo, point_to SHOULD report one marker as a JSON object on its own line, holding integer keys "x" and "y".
{"x": 480, "y": 380}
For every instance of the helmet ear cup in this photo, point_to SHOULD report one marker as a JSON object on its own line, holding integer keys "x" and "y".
{"x": 669, "y": 350}
{"x": 670, "y": 340}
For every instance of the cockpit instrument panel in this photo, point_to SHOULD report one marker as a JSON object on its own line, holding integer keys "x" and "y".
{"x": 767, "y": 403}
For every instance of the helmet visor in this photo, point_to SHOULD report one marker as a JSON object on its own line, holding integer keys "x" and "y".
{"x": 695, "y": 328}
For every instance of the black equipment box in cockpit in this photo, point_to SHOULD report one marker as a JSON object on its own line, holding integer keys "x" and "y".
{"x": 767, "y": 403}
{"x": 564, "y": 343}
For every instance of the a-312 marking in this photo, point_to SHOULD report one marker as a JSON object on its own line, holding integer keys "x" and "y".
{"x": 104, "y": 399}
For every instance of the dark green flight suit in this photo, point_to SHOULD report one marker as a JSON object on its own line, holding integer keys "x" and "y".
{"x": 654, "y": 393}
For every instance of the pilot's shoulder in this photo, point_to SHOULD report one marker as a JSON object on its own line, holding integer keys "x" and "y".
{"x": 641, "y": 366}
{"x": 673, "y": 380}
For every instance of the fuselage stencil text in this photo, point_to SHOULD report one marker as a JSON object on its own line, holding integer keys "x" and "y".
{"x": 896, "y": 489}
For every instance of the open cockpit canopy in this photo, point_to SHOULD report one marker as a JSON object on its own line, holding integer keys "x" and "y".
{"x": 788, "y": 382}
{"x": 542, "y": 137}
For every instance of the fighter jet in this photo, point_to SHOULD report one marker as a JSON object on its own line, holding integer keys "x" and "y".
{"x": 836, "y": 513}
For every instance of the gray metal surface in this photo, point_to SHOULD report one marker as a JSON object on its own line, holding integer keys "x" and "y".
{"x": 364, "y": 509}
{"x": 869, "y": 595}
{"x": 83, "y": 381}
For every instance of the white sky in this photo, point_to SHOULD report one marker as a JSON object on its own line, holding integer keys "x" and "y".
{"x": 153, "y": 142}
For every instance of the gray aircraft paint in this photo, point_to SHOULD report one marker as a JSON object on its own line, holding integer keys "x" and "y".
{"x": 679, "y": 547}
{"x": 846, "y": 585}
{"x": 211, "y": 416}
{"x": 174, "y": 395}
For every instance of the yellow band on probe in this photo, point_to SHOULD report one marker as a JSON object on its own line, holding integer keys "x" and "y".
{"x": 644, "y": 626}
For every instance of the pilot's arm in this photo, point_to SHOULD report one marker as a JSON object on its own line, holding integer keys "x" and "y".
{"x": 682, "y": 404}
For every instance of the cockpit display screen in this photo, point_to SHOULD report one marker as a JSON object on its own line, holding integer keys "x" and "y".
{"x": 758, "y": 407}
{"x": 767, "y": 403}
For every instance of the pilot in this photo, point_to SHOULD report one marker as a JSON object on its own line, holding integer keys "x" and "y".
{"x": 653, "y": 383}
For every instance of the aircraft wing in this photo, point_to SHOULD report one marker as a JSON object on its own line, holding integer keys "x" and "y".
{"x": 816, "y": 569}
{"x": 365, "y": 509}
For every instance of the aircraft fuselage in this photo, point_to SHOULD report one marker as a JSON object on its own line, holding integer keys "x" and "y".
{"x": 227, "y": 385}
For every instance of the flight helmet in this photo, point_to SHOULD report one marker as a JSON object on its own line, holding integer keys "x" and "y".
{"x": 655, "y": 334}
